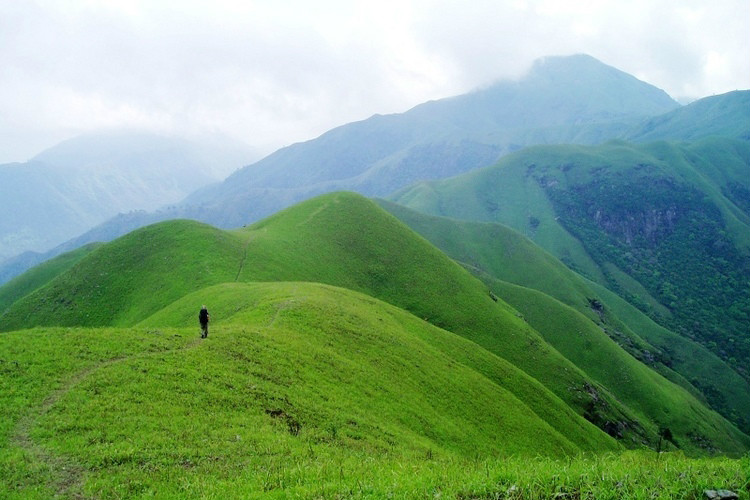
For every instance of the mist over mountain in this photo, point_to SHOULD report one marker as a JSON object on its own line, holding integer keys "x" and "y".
{"x": 574, "y": 99}
{"x": 561, "y": 100}
{"x": 79, "y": 183}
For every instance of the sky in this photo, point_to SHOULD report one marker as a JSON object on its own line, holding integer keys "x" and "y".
{"x": 273, "y": 72}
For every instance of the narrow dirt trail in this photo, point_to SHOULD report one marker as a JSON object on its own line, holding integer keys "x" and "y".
{"x": 67, "y": 475}
{"x": 250, "y": 238}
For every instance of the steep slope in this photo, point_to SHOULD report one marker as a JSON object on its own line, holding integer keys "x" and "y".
{"x": 496, "y": 251}
{"x": 343, "y": 240}
{"x": 655, "y": 223}
{"x": 584, "y": 343}
{"x": 84, "y": 181}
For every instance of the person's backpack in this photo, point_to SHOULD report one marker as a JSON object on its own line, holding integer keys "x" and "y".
{"x": 203, "y": 316}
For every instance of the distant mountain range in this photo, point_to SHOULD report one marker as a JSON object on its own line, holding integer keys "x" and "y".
{"x": 562, "y": 100}
{"x": 70, "y": 188}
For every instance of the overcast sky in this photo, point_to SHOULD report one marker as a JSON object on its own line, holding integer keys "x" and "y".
{"x": 273, "y": 72}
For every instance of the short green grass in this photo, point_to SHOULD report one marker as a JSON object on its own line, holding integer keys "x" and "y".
{"x": 300, "y": 391}
{"x": 665, "y": 225}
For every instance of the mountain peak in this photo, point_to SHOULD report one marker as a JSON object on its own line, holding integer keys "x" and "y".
{"x": 589, "y": 89}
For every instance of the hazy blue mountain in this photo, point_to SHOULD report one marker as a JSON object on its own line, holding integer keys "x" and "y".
{"x": 725, "y": 115}
{"x": 83, "y": 181}
{"x": 574, "y": 99}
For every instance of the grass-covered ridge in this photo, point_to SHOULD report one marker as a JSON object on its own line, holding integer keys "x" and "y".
{"x": 41, "y": 275}
{"x": 348, "y": 241}
{"x": 291, "y": 373}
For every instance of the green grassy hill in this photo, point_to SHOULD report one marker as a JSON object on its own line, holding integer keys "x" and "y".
{"x": 664, "y": 225}
{"x": 292, "y": 373}
{"x": 343, "y": 240}
{"x": 502, "y": 253}
{"x": 301, "y": 390}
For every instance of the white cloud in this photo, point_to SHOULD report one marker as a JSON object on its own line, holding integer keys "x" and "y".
{"x": 273, "y": 72}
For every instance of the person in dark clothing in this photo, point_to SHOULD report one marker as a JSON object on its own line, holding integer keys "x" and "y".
{"x": 204, "y": 318}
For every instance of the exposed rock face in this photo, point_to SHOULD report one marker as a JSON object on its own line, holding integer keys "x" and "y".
{"x": 720, "y": 495}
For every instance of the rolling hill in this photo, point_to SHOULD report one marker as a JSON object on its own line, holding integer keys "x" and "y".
{"x": 347, "y": 241}
{"x": 662, "y": 224}
{"x": 292, "y": 373}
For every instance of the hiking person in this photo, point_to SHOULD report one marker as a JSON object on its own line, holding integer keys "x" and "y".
{"x": 204, "y": 318}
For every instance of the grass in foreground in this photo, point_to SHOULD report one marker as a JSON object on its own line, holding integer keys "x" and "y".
{"x": 271, "y": 406}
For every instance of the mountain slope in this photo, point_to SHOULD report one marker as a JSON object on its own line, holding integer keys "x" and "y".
{"x": 655, "y": 223}
{"x": 565, "y": 99}
{"x": 41, "y": 275}
{"x": 446, "y": 137}
{"x": 725, "y": 115}
{"x": 343, "y": 240}
{"x": 84, "y": 181}
{"x": 496, "y": 251}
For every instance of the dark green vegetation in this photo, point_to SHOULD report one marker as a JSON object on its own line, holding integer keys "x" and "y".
{"x": 495, "y": 252}
{"x": 663, "y": 225}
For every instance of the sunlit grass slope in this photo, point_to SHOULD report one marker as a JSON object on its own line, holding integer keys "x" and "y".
{"x": 505, "y": 254}
{"x": 341, "y": 239}
{"x": 297, "y": 386}
{"x": 300, "y": 391}
{"x": 664, "y": 225}
{"x": 128, "y": 279}
{"x": 240, "y": 303}
{"x": 344, "y": 240}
